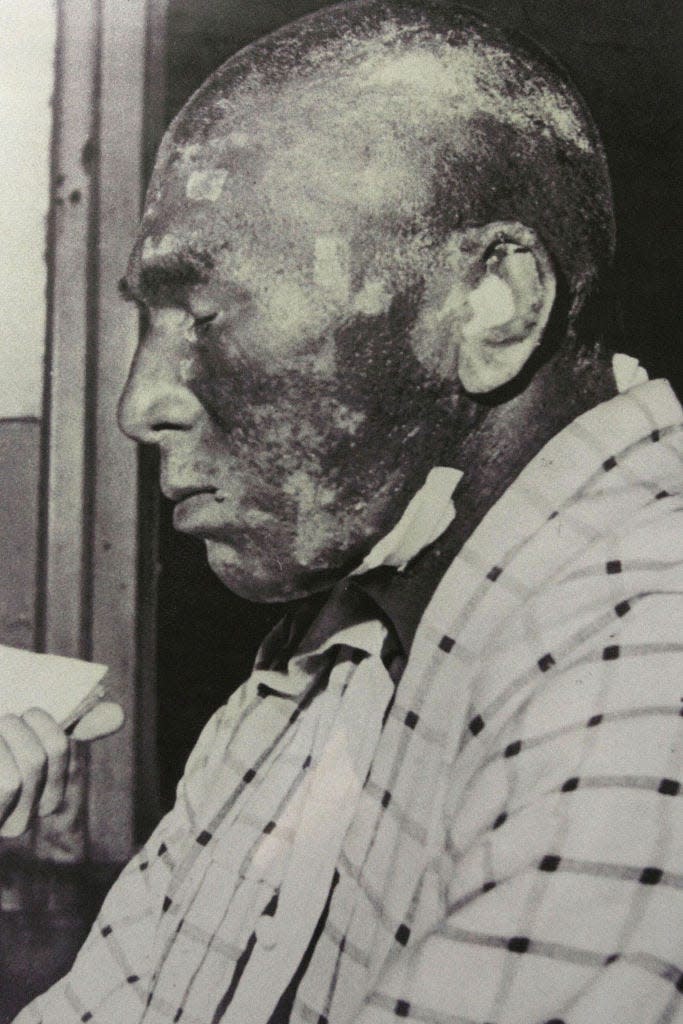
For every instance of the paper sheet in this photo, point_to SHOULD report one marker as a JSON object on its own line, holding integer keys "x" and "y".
{"x": 66, "y": 688}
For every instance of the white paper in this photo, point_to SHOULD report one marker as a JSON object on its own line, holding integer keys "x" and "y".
{"x": 64, "y": 687}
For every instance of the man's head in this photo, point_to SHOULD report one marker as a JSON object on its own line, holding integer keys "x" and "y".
{"x": 354, "y": 228}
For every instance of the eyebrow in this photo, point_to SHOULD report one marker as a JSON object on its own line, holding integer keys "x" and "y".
{"x": 163, "y": 279}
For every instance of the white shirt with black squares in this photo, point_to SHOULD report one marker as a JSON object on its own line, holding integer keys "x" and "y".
{"x": 501, "y": 834}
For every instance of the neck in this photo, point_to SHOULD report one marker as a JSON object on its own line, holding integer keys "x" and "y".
{"x": 497, "y": 439}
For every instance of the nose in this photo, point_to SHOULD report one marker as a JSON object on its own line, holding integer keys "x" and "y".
{"x": 156, "y": 400}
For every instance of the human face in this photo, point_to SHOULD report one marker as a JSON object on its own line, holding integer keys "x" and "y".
{"x": 290, "y": 437}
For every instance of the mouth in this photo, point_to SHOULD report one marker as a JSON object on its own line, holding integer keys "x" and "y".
{"x": 178, "y": 494}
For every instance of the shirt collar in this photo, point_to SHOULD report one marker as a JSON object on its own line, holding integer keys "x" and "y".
{"x": 393, "y": 583}
{"x": 400, "y": 575}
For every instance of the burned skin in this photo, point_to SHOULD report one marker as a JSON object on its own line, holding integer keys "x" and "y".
{"x": 293, "y": 231}
{"x": 315, "y": 439}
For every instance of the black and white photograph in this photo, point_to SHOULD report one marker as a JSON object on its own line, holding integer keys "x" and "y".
{"x": 341, "y": 512}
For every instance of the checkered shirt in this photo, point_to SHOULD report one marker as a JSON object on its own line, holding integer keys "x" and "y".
{"x": 513, "y": 854}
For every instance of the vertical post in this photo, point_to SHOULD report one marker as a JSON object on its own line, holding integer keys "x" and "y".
{"x": 115, "y": 591}
{"x": 95, "y": 603}
{"x": 64, "y": 559}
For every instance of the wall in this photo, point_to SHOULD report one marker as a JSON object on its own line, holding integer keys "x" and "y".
{"x": 27, "y": 42}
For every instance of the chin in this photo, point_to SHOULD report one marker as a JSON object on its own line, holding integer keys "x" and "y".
{"x": 265, "y": 584}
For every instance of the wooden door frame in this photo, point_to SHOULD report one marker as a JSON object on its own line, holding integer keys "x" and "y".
{"x": 97, "y": 582}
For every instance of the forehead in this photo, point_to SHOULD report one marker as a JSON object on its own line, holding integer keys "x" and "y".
{"x": 270, "y": 168}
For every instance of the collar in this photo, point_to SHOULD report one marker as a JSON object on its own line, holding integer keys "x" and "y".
{"x": 392, "y": 584}
{"x": 398, "y": 578}
{"x": 402, "y": 597}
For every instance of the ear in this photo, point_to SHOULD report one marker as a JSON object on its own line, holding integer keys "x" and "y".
{"x": 509, "y": 295}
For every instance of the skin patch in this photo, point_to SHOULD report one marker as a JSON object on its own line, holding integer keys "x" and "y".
{"x": 331, "y": 270}
{"x": 316, "y": 514}
{"x": 239, "y": 139}
{"x": 373, "y": 299}
{"x": 156, "y": 247}
{"x": 492, "y": 304}
{"x": 348, "y": 420}
{"x": 205, "y": 185}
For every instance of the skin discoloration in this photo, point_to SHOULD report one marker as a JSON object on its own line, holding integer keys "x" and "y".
{"x": 299, "y": 373}
{"x": 331, "y": 270}
{"x": 206, "y": 185}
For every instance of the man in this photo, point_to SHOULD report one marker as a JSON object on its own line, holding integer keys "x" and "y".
{"x": 374, "y": 260}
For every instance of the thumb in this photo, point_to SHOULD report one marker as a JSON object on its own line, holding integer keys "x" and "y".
{"x": 102, "y": 720}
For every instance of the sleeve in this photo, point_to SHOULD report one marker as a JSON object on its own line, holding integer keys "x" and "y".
{"x": 109, "y": 979}
{"x": 562, "y": 880}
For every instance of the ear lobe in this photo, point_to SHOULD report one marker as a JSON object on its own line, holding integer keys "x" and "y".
{"x": 510, "y": 296}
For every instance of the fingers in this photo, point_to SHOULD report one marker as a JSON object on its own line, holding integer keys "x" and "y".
{"x": 104, "y": 719}
{"x": 10, "y": 781}
{"x": 33, "y": 759}
{"x": 56, "y": 747}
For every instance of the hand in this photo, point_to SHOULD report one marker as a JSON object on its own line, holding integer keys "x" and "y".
{"x": 34, "y": 760}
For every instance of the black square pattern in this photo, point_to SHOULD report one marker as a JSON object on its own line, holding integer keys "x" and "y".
{"x": 570, "y": 785}
{"x": 609, "y": 464}
{"x": 402, "y": 934}
{"x": 611, "y": 653}
{"x": 551, "y": 862}
{"x": 622, "y": 608}
{"x": 204, "y": 838}
{"x": 518, "y": 944}
{"x": 513, "y": 749}
{"x": 650, "y": 876}
{"x": 546, "y": 662}
{"x": 669, "y": 787}
{"x": 402, "y": 1008}
{"x": 494, "y": 573}
{"x": 411, "y": 719}
{"x": 613, "y": 567}
{"x": 446, "y": 644}
{"x": 476, "y": 725}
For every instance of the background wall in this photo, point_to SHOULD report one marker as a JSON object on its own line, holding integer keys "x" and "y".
{"x": 27, "y": 41}
{"x": 624, "y": 55}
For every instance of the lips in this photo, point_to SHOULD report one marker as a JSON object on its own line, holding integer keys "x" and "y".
{"x": 181, "y": 493}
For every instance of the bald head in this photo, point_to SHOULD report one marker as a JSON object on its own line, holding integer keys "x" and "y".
{"x": 345, "y": 148}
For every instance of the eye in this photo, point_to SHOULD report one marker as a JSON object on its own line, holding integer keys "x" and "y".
{"x": 201, "y": 321}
